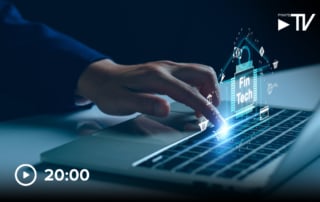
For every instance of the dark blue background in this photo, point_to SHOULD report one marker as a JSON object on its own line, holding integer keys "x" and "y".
{"x": 203, "y": 31}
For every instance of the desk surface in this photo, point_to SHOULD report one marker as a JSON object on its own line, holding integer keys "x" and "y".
{"x": 22, "y": 141}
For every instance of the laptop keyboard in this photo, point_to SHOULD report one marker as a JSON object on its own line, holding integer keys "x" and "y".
{"x": 249, "y": 145}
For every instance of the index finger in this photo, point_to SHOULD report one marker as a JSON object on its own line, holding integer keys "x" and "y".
{"x": 201, "y": 76}
{"x": 190, "y": 96}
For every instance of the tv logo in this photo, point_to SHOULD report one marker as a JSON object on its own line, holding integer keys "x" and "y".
{"x": 300, "y": 19}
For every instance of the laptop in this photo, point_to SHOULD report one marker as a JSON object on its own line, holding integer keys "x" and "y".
{"x": 256, "y": 152}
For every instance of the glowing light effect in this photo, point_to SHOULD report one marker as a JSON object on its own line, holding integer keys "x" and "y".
{"x": 223, "y": 131}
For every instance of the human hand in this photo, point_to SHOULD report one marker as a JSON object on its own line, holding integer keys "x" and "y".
{"x": 124, "y": 89}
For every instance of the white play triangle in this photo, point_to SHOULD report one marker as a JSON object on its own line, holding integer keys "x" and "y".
{"x": 25, "y": 175}
{"x": 282, "y": 24}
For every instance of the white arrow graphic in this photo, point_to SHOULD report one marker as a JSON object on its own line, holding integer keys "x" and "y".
{"x": 25, "y": 175}
{"x": 282, "y": 24}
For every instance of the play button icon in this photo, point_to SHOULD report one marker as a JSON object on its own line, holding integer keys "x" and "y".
{"x": 25, "y": 175}
{"x": 282, "y": 24}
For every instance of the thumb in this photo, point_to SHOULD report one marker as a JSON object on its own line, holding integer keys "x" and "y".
{"x": 147, "y": 104}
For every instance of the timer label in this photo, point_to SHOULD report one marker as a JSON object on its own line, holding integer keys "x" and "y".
{"x": 60, "y": 175}
{"x": 26, "y": 175}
